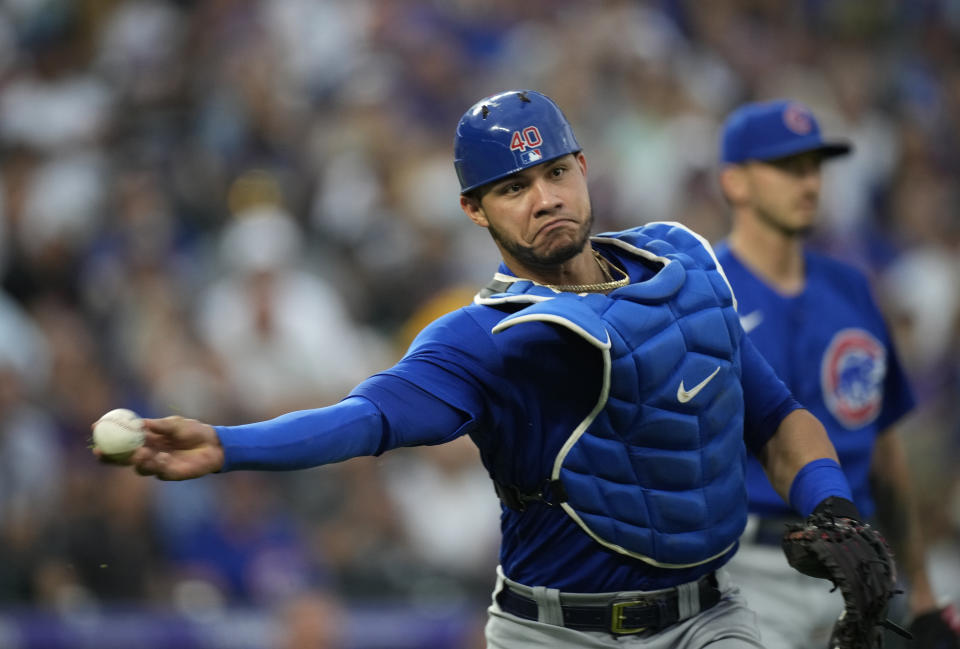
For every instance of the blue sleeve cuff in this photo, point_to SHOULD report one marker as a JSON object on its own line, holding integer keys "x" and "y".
{"x": 817, "y": 481}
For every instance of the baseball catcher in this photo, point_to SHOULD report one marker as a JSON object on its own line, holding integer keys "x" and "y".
{"x": 834, "y": 544}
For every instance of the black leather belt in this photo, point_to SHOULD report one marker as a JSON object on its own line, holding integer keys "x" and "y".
{"x": 619, "y": 616}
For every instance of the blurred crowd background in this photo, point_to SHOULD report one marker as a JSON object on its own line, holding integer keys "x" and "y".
{"x": 228, "y": 209}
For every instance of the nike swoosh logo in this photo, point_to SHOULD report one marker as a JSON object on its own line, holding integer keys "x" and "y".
{"x": 751, "y": 321}
{"x": 685, "y": 395}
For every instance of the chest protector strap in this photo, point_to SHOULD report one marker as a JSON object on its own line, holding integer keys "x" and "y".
{"x": 550, "y": 493}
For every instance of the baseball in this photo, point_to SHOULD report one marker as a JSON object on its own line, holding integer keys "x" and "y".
{"x": 118, "y": 433}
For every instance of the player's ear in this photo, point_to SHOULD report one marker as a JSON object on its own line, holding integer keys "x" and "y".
{"x": 733, "y": 183}
{"x": 472, "y": 208}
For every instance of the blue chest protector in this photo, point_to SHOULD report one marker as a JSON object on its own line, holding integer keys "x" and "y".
{"x": 656, "y": 470}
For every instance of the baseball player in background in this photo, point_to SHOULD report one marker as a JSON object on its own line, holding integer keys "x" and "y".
{"x": 608, "y": 387}
{"x": 814, "y": 320}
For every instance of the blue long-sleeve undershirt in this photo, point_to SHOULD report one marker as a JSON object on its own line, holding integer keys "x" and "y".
{"x": 352, "y": 428}
{"x": 306, "y": 438}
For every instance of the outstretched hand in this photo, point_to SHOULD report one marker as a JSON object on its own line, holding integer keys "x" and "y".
{"x": 175, "y": 448}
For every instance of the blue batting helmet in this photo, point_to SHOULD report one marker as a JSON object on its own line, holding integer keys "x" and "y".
{"x": 507, "y": 132}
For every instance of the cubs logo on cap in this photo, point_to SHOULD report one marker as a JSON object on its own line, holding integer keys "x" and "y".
{"x": 798, "y": 119}
{"x": 774, "y": 129}
{"x": 851, "y": 376}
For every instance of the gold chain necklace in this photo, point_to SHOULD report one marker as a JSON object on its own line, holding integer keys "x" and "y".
{"x": 609, "y": 285}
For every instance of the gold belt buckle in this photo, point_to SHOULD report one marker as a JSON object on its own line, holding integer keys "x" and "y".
{"x": 618, "y": 614}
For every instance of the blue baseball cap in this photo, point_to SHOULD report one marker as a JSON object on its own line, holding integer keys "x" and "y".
{"x": 775, "y": 129}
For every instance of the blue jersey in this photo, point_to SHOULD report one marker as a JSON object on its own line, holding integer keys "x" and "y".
{"x": 831, "y": 347}
{"x": 519, "y": 408}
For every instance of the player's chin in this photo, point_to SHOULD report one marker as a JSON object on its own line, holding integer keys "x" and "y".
{"x": 805, "y": 217}
{"x": 560, "y": 246}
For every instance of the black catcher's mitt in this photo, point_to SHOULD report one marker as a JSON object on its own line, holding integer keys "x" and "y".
{"x": 833, "y": 544}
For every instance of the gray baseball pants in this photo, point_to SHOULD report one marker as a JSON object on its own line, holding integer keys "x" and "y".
{"x": 794, "y": 611}
{"x": 727, "y": 625}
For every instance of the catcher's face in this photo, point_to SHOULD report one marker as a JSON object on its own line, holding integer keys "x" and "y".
{"x": 539, "y": 217}
{"x": 784, "y": 194}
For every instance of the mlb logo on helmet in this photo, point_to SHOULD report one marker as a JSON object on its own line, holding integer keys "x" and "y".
{"x": 530, "y": 157}
{"x": 851, "y": 376}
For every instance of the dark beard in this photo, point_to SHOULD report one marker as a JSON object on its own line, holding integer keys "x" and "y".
{"x": 526, "y": 255}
